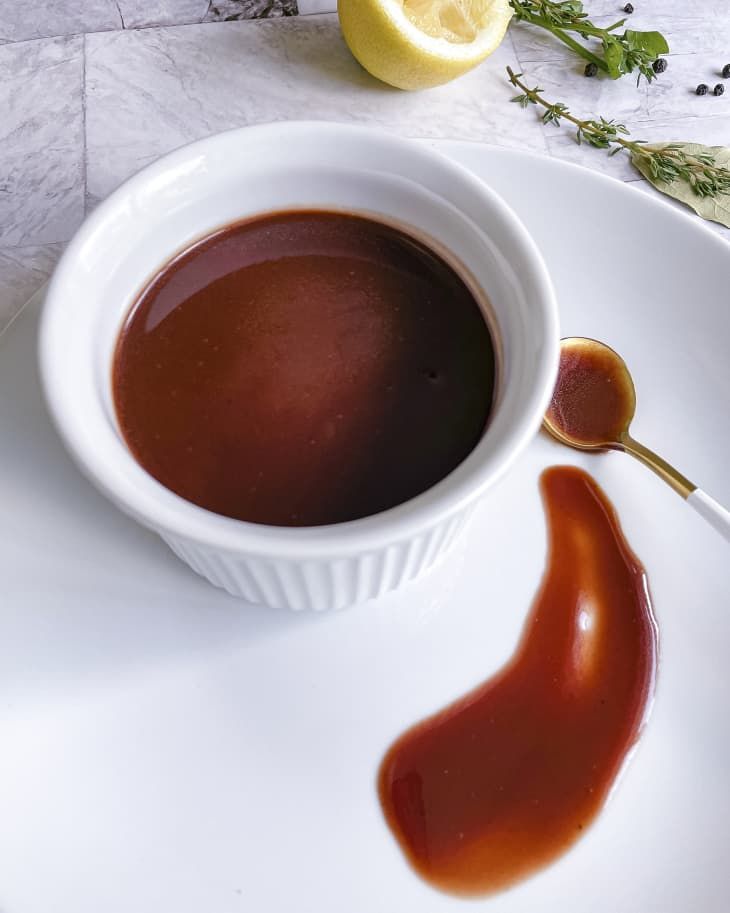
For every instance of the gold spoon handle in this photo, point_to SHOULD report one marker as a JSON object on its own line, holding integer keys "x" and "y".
{"x": 668, "y": 473}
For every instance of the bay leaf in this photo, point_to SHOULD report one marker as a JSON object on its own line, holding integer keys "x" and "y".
{"x": 715, "y": 209}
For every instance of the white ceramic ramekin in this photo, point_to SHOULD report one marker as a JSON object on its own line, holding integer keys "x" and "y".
{"x": 282, "y": 166}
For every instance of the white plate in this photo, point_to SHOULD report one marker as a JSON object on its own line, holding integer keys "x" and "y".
{"x": 165, "y": 748}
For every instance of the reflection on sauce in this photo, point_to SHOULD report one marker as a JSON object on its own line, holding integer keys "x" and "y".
{"x": 304, "y": 368}
{"x": 594, "y": 399}
{"x": 507, "y": 778}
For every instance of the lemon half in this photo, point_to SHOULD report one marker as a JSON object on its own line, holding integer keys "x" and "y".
{"x": 415, "y": 44}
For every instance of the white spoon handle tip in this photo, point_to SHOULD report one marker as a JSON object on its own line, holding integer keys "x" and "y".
{"x": 715, "y": 514}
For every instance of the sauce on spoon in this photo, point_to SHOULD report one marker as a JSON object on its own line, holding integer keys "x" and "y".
{"x": 504, "y": 780}
{"x": 594, "y": 398}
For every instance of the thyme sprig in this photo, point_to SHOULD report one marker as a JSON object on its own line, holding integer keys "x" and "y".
{"x": 665, "y": 162}
{"x": 623, "y": 52}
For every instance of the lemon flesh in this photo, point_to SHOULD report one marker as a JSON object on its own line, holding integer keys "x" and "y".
{"x": 415, "y": 44}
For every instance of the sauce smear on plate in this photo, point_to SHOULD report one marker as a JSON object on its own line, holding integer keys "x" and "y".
{"x": 507, "y": 778}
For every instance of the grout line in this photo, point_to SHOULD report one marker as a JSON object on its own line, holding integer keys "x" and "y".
{"x": 158, "y": 25}
{"x": 511, "y": 39}
{"x": 658, "y": 120}
{"x": 121, "y": 17}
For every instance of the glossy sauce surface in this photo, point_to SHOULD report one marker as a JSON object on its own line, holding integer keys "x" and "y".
{"x": 304, "y": 368}
{"x": 504, "y": 780}
{"x": 594, "y": 400}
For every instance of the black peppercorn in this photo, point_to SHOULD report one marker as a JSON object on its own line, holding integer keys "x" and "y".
{"x": 719, "y": 89}
{"x": 628, "y": 9}
{"x": 726, "y": 71}
{"x": 702, "y": 89}
{"x": 590, "y": 70}
{"x": 659, "y": 65}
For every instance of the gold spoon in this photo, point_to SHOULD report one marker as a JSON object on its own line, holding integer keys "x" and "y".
{"x": 592, "y": 407}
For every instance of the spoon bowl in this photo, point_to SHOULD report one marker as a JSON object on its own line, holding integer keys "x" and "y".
{"x": 594, "y": 399}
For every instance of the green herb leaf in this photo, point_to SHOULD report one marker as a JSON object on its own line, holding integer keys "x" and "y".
{"x": 698, "y": 191}
{"x": 653, "y": 43}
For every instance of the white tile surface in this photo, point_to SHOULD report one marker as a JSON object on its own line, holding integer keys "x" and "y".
{"x": 307, "y": 7}
{"x": 672, "y": 97}
{"x": 26, "y": 19}
{"x": 20, "y": 21}
{"x": 41, "y": 140}
{"x": 213, "y": 78}
{"x": 140, "y": 13}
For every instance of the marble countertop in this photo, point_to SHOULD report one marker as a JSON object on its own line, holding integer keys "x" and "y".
{"x": 92, "y": 90}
